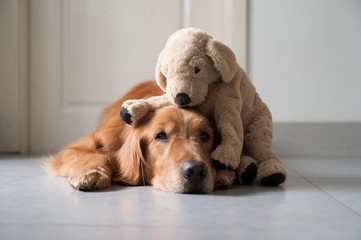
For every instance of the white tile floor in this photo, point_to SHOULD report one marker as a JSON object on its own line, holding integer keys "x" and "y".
{"x": 320, "y": 200}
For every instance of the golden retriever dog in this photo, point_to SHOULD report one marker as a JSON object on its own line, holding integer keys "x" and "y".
{"x": 168, "y": 149}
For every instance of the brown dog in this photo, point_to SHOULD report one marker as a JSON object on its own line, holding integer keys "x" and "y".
{"x": 169, "y": 149}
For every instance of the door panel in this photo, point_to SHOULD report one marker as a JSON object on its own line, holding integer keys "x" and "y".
{"x": 85, "y": 55}
{"x": 111, "y": 45}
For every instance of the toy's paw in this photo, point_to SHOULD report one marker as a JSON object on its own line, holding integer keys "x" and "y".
{"x": 224, "y": 179}
{"x": 273, "y": 179}
{"x": 224, "y": 157}
{"x": 271, "y": 173}
{"x": 133, "y": 110}
{"x": 247, "y": 170}
{"x": 126, "y": 116}
{"x": 95, "y": 179}
{"x": 249, "y": 174}
{"x": 218, "y": 165}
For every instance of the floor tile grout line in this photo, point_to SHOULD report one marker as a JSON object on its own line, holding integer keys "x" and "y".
{"x": 96, "y": 225}
{"x": 330, "y": 195}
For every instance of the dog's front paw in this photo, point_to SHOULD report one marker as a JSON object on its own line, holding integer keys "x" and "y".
{"x": 224, "y": 157}
{"x": 224, "y": 179}
{"x": 95, "y": 179}
{"x": 133, "y": 110}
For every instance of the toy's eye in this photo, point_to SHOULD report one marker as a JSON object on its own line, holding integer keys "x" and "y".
{"x": 162, "y": 136}
{"x": 204, "y": 137}
{"x": 196, "y": 69}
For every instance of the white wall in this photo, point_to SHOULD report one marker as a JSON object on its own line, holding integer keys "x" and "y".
{"x": 305, "y": 58}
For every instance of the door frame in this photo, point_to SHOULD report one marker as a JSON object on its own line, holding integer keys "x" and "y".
{"x": 16, "y": 78}
{"x": 24, "y": 76}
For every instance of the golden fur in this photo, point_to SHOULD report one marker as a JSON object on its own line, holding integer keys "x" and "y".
{"x": 116, "y": 152}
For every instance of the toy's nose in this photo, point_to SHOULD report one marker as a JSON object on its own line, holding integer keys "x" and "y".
{"x": 182, "y": 99}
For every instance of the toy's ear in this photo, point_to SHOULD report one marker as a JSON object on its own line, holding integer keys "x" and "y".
{"x": 159, "y": 77}
{"x": 223, "y": 58}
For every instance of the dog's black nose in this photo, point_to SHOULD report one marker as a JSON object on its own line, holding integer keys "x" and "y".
{"x": 182, "y": 99}
{"x": 194, "y": 172}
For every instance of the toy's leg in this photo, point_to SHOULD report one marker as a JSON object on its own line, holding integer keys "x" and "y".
{"x": 247, "y": 170}
{"x": 133, "y": 110}
{"x": 258, "y": 142}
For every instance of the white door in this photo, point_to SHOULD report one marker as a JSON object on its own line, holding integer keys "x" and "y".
{"x": 85, "y": 54}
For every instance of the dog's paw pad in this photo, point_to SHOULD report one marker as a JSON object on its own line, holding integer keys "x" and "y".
{"x": 84, "y": 188}
{"x": 224, "y": 179}
{"x": 125, "y": 116}
{"x": 273, "y": 179}
{"x": 249, "y": 174}
{"x": 89, "y": 181}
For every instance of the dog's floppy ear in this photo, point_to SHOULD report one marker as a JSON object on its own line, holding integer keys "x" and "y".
{"x": 159, "y": 77}
{"x": 223, "y": 58}
{"x": 130, "y": 167}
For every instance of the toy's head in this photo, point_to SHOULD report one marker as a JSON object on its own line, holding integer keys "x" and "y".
{"x": 190, "y": 61}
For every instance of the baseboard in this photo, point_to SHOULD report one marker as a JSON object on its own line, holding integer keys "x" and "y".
{"x": 317, "y": 139}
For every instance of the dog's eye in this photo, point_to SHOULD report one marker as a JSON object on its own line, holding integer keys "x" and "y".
{"x": 204, "y": 136}
{"x": 196, "y": 69}
{"x": 162, "y": 136}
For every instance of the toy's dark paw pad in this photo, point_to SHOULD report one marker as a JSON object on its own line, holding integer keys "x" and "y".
{"x": 273, "y": 179}
{"x": 125, "y": 115}
{"x": 219, "y": 165}
{"x": 249, "y": 174}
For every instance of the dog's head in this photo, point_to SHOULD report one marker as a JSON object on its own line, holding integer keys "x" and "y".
{"x": 190, "y": 61}
{"x": 170, "y": 150}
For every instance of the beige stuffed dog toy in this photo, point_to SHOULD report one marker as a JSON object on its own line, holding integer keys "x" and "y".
{"x": 196, "y": 71}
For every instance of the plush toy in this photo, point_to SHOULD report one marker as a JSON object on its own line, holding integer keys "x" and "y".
{"x": 197, "y": 71}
